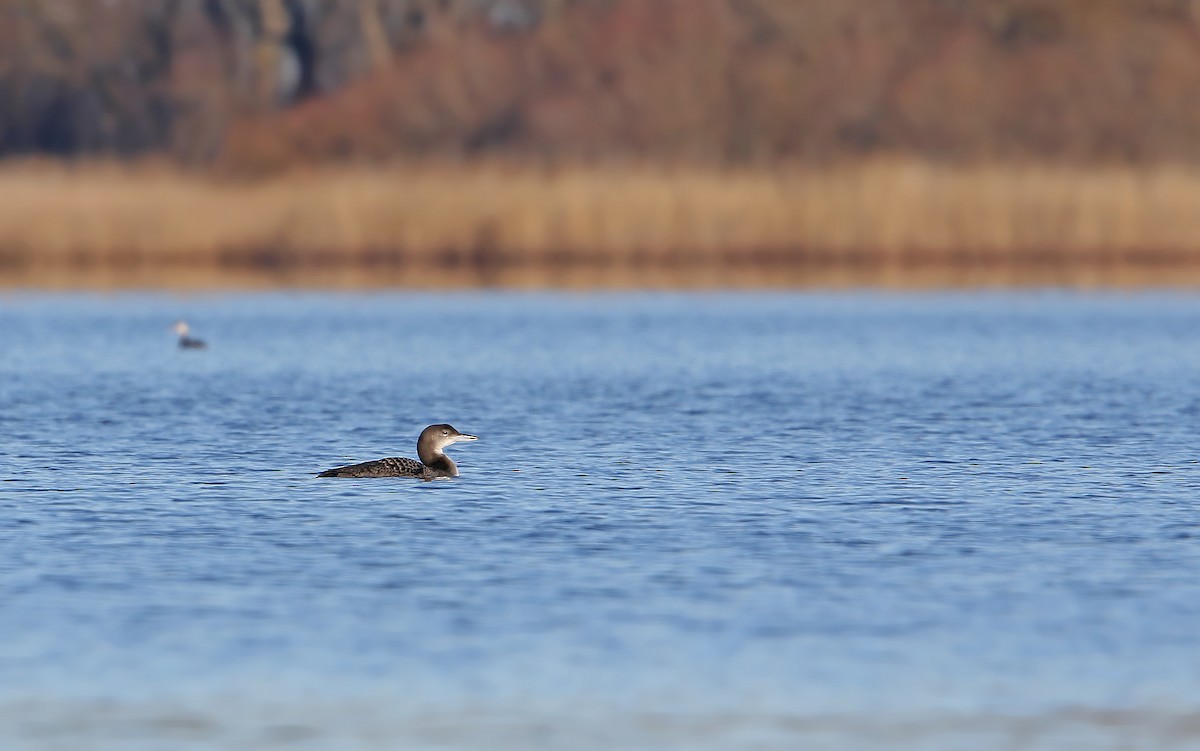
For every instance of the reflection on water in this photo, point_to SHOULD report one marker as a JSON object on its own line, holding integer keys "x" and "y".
{"x": 691, "y": 521}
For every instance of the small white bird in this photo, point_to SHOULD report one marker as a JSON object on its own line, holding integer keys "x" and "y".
{"x": 187, "y": 342}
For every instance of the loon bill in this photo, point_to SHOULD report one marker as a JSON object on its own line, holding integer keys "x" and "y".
{"x": 434, "y": 462}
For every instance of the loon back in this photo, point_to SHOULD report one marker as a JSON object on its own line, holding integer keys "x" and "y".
{"x": 393, "y": 466}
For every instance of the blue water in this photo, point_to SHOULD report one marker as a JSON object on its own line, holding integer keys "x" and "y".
{"x": 732, "y": 521}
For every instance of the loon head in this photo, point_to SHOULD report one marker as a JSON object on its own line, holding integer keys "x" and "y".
{"x": 435, "y": 438}
{"x": 181, "y": 328}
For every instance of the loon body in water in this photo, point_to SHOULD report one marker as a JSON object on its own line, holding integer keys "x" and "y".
{"x": 434, "y": 462}
{"x": 185, "y": 341}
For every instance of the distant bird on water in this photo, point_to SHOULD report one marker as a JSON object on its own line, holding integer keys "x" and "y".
{"x": 185, "y": 341}
{"x": 430, "y": 447}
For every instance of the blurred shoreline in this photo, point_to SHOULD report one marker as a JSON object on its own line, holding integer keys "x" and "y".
{"x": 885, "y": 222}
{"x": 367, "y": 723}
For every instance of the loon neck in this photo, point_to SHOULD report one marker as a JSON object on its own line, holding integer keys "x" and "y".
{"x": 436, "y": 459}
{"x": 429, "y": 455}
{"x": 441, "y": 464}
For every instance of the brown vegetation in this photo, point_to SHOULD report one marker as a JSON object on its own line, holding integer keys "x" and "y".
{"x": 600, "y": 141}
{"x": 283, "y": 82}
{"x": 880, "y": 222}
{"x": 753, "y": 81}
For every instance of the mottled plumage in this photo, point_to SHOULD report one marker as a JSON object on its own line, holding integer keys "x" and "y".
{"x": 393, "y": 466}
{"x": 434, "y": 462}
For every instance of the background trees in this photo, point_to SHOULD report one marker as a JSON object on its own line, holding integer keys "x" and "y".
{"x": 265, "y": 83}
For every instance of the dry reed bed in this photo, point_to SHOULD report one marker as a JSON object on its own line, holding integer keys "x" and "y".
{"x": 139, "y": 223}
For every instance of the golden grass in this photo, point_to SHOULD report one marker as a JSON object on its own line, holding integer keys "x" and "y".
{"x": 883, "y": 222}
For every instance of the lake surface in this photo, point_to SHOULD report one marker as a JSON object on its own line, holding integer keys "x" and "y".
{"x": 821, "y": 521}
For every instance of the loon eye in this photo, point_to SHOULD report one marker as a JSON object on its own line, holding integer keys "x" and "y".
{"x": 445, "y": 432}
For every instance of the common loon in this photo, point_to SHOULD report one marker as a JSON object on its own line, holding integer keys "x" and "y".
{"x": 186, "y": 342}
{"x": 434, "y": 462}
